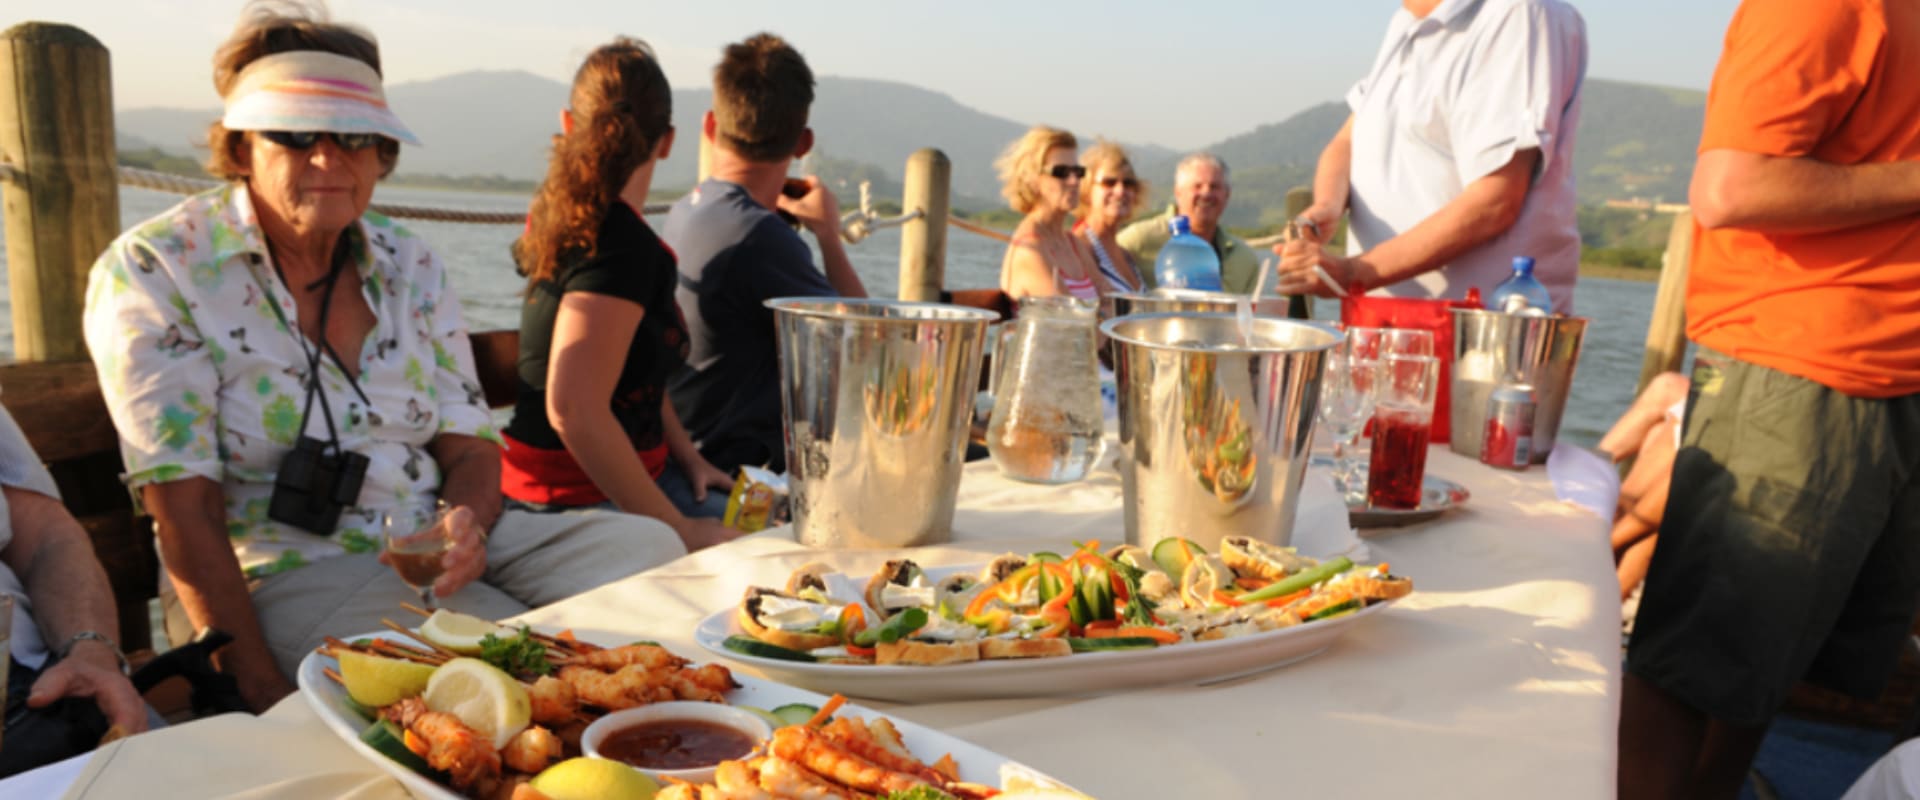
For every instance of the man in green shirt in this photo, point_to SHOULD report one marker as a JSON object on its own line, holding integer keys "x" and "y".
{"x": 1201, "y": 188}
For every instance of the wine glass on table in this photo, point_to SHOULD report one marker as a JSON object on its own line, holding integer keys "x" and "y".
{"x": 417, "y": 549}
{"x": 1347, "y": 399}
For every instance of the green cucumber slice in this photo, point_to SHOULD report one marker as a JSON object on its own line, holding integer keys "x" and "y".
{"x": 754, "y": 647}
{"x": 1174, "y": 553}
{"x": 1104, "y": 643}
{"x": 795, "y": 713}
{"x": 389, "y": 739}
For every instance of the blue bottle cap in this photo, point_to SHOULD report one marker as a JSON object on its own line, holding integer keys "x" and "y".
{"x": 1180, "y": 225}
{"x": 1523, "y": 265}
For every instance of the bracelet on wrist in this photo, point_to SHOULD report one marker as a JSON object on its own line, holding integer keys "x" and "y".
{"x": 95, "y": 636}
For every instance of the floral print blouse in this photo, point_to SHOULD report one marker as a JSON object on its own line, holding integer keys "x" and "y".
{"x": 204, "y": 370}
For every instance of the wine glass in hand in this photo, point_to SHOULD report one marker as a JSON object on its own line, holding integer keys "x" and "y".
{"x": 418, "y": 552}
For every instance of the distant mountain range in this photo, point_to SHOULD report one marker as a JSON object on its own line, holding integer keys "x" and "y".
{"x": 1635, "y": 140}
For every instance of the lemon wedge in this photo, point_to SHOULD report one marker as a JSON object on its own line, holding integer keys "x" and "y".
{"x": 482, "y": 697}
{"x": 459, "y": 632}
{"x": 377, "y": 682}
{"x": 594, "y": 779}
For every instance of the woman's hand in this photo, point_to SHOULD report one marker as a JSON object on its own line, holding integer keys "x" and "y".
{"x": 467, "y": 560}
{"x": 702, "y": 476}
{"x": 699, "y": 533}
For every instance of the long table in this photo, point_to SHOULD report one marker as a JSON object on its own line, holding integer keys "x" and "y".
{"x": 1498, "y": 677}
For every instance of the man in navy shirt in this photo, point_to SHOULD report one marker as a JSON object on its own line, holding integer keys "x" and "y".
{"x": 735, "y": 252}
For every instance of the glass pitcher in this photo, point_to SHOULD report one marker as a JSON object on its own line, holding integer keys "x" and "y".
{"x": 1046, "y": 423}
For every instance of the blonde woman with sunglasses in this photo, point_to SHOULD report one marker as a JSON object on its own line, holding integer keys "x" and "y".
{"x": 1108, "y": 198}
{"x": 1040, "y": 177}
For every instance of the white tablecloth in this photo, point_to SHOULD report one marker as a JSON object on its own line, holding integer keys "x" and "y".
{"x": 1498, "y": 677}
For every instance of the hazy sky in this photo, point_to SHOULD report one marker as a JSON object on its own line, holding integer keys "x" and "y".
{"x": 1134, "y": 70}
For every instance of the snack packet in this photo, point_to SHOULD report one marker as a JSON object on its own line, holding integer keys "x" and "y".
{"x": 758, "y": 502}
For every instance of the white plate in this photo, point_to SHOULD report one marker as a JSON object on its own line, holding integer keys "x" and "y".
{"x": 1077, "y": 674}
{"x": 977, "y": 764}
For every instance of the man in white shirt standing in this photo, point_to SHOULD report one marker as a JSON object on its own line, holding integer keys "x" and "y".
{"x": 1458, "y": 156}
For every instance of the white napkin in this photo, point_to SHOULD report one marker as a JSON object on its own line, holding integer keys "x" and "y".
{"x": 1584, "y": 478}
{"x": 1321, "y": 527}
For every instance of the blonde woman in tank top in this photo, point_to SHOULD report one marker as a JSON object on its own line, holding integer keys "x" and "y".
{"x": 1040, "y": 177}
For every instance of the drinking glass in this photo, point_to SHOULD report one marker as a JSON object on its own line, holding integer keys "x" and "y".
{"x": 417, "y": 549}
{"x": 1403, "y": 416}
{"x": 1347, "y": 396}
{"x": 1376, "y": 343}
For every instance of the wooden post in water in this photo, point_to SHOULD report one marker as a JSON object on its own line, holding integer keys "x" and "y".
{"x": 1667, "y": 330}
{"x": 1298, "y": 199}
{"x": 923, "y": 241}
{"x": 57, "y": 182}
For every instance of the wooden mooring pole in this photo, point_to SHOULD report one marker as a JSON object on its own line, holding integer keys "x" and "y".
{"x": 57, "y": 182}
{"x": 1667, "y": 329}
{"x": 923, "y": 240}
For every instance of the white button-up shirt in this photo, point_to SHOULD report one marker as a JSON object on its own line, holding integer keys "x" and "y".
{"x": 1450, "y": 99}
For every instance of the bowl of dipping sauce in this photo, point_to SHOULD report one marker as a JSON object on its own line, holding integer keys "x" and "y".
{"x": 684, "y": 740}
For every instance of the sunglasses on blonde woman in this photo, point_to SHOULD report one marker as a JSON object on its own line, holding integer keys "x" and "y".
{"x": 1108, "y": 183}
{"x": 1064, "y": 171}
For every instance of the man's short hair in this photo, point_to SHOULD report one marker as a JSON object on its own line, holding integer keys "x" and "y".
{"x": 762, "y": 90}
{"x": 1203, "y": 158}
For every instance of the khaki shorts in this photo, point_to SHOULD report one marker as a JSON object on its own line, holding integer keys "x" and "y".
{"x": 1790, "y": 549}
{"x": 532, "y": 560}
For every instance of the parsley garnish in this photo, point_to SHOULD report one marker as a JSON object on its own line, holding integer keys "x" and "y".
{"x": 521, "y": 655}
{"x": 920, "y": 793}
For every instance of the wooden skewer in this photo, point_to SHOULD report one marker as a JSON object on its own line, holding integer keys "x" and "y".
{"x": 408, "y": 632}
{"x": 405, "y": 654}
{"x": 416, "y": 609}
{"x": 334, "y": 675}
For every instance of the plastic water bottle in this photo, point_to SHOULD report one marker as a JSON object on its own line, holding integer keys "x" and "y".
{"x": 1187, "y": 261}
{"x": 1521, "y": 293}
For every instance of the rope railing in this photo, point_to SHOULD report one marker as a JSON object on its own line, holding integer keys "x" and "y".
{"x": 181, "y": 184}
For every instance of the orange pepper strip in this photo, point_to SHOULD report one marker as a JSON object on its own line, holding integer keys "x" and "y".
{"x": 1251, "y": 584}
{"x": 1221, "y": 597}
{"x": 1285, "y": 600}
{"x": 1056, "y": 612}
{"x": 852, "y": 620}
{"x": 863, "y": 652}
{"x": 1102, "y": 627}
{"x": 826, "y": 710}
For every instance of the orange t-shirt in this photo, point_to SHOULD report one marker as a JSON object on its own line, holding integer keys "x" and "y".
{"x": 1834, "y": 81}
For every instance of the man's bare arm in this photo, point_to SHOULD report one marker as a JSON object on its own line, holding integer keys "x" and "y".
{"x": 1738, "y": 189}
{"x": 1485, "y": 209}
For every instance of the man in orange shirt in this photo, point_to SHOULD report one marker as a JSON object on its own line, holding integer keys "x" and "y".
{"x": 1793, "y": 551}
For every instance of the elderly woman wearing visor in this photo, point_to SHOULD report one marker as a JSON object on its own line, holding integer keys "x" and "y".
{"x": 291, "y": 378}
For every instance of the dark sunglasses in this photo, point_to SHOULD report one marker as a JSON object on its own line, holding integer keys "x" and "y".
{"x": 305, "y": 140}
{"x": 1062, "y": 171}
{"x": 1130, "y": 183}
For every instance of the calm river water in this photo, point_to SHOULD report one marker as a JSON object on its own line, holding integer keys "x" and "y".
{"x": 477, "y": 255}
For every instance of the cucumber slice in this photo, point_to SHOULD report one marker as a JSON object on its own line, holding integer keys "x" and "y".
{"x": 1045, "y": 557}
{"x": 755, "y": 647}
{"x": 795, "y": 713}
{"x": 1104, "y": 643}
{"x": 1336, "y": 610}
{"x": 387, "y": 737}
{"x": 1174, "y": 553}
{"x": 365, "y": 713}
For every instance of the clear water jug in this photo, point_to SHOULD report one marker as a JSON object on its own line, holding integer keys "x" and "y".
{"x": 1047, "y": 418}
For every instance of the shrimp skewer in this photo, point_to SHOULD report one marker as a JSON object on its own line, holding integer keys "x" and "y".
{"x": 446, "y": 743}
{"x": 816, "y": 752}
{"x": 786, "y": 779}
{"x": 553, "y": 701}
{"x": 653, "y": 656}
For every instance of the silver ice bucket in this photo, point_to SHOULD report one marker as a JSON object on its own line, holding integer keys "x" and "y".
{"x": 877, "y": 396}
{"x": 1491, "y": 348}
{"x": 1214, "y": 430}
